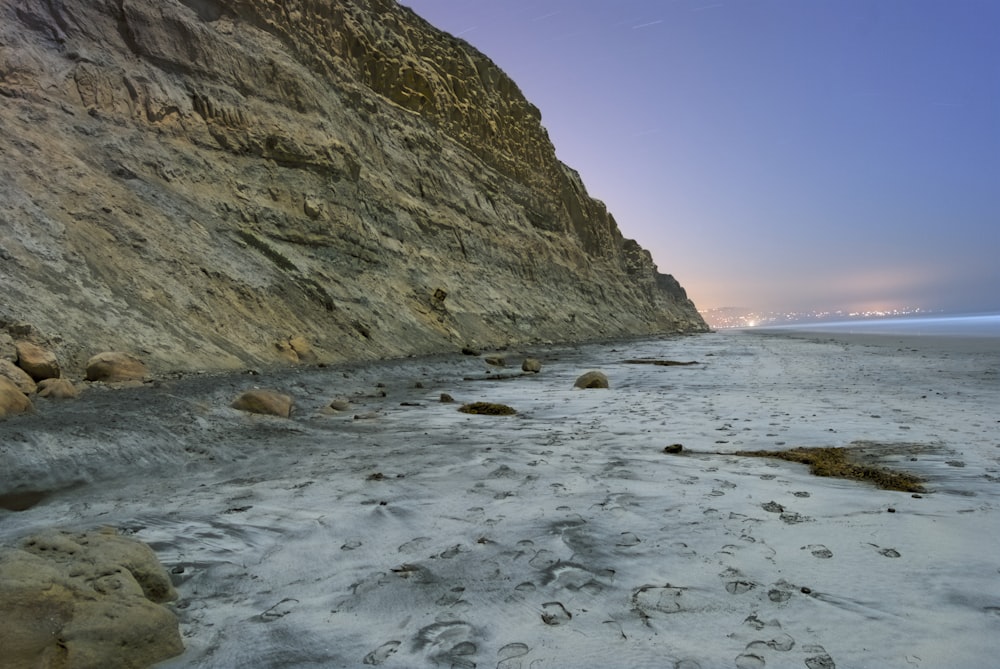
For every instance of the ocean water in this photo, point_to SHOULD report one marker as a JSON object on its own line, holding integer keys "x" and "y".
{"x": 979, "y": 325}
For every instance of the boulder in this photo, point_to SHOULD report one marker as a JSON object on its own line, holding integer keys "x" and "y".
{"x": 57, "y": 389}
{"x": 12, "y": 400}
{"x": 593, "y": 379}
{"x": 38, "y": 362}
{"x": 496, "y": 360}
{"x": 533, "y": 365}
{"x": 18, "y": 376}
{"x": 113, "y": 366}
{"x": 268, "y": 402}
{"x": 87, "y": 600}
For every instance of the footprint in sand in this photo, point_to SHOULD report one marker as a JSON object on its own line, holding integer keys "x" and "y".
{"x": 382, "y": 653}
{"x": 279, "y": 610}
{"x": 453, "y": 551}
{"x": 749, "y": 661}
{"x": 739, "y": 587}
{"x": 778, "y": 596}
{"x": 415, "y": 545}
{"x": 820, "y": 660}
{"x": 662, "y": 599}
{"x": 451, "y": 597}
{"x": 510, "y": 656}
{"x": 780, "y": 642}
{"x": 448, "y": 642}
{"x": 686, "y": 664}
{"x": 818, "y": 551}
{"x": 543, "y": 559}
{"x": 554, "y": 613}
{"x": 627, "y": 539}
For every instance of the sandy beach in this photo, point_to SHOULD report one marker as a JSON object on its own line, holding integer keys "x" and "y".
{"x": 400, "y": 532}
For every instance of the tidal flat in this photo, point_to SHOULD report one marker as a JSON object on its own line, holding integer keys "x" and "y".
{"x": 393, "y": 530}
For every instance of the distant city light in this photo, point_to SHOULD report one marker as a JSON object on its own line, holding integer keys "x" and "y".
{"x": 735, "y": 317}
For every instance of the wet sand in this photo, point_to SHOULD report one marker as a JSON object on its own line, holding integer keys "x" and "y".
{"x": 403, "y": 533}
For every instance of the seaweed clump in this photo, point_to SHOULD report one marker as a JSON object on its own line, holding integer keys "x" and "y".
{"x": 837, "y": 462}
{"x": 487, "y": 409}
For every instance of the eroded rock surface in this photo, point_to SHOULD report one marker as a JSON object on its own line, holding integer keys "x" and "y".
{"x": 13, "y": 401}
{"x": 200, "y": 180}
{"x": 86, "y": 600}
{"x": 267, "y": 402}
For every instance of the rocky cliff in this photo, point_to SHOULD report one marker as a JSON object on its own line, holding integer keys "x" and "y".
{"x": 198, "y": 181}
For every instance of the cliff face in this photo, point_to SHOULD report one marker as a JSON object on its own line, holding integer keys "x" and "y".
{"x": 198, "y": 180}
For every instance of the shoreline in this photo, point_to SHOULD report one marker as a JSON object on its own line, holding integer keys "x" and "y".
{"x": 929, "y": 342}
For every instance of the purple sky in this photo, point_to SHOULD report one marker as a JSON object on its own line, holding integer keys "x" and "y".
{"x": 774, "y": 154}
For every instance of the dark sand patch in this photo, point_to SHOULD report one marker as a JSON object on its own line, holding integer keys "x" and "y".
{"x": 839, "y": 462}
{"x": 487, "y": 409}
{"x": 660, "y": 363}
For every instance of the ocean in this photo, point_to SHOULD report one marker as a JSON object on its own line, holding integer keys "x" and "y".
{"x": 979, "y": 325}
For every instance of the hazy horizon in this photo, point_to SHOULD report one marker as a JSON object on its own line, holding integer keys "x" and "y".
{"x": 837, "y": 154}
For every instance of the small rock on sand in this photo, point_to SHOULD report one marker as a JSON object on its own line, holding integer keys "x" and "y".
{"x": 593, "y": 379}
{"x": 57, "y": 389}
{"x": 267, "y": 402}
{"x": 533, "y": 365}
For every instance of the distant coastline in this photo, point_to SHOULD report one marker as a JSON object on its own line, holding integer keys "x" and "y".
{"x": 965, "y": 325}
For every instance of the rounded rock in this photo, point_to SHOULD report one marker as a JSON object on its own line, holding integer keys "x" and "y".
{"x": 114, "y": 366}
{"x": 592, "y": 379}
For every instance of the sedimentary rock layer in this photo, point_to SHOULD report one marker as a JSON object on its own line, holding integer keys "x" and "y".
{"x": 206, "y": 182}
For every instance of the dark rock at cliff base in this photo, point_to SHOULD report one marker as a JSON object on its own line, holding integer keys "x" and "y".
{"x": 593, "y": 379}
{"x": 197, "y": 180}
{"x": 39, "y": 363}
{"x": 114, "y": 366}
{"x": 58, "y": 389}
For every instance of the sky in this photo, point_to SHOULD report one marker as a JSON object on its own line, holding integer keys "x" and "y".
{"x": 785, "y": 155}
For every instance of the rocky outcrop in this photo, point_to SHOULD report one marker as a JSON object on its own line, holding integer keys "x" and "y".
{"x": 90, "y": 600}
{"x": 195, "y": 181}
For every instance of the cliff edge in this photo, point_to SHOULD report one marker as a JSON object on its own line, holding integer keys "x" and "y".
{"x": 203, "y": 181}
